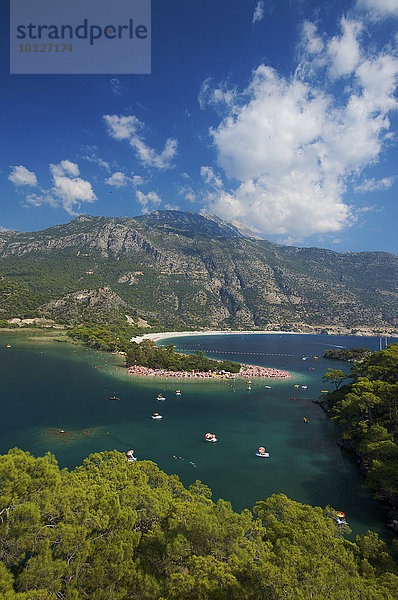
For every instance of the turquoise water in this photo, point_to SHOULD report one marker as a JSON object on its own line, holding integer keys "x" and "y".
{"x": 49, "y": 386}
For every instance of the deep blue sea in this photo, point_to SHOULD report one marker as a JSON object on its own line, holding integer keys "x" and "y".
{"x": 51, "y": 386}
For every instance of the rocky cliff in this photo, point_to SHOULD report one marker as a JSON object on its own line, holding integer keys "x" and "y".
{"x": 191, "y": 269}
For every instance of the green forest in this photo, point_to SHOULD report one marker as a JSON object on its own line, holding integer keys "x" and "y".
{"x": 349, "y": 354}
{"x": 147, "y": 354}
{"x": 367, "y": 408}
{"x": 112, "y": 530}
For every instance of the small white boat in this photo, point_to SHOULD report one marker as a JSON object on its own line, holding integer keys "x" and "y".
{"x": 268, "y": 387}
{"x": 178, "y": 393}
{"x": 304, "y": 387}
{"x": 130, "y": 456}
{"x": 160, "y": 397}
{"x": 262, "y": 452}
{"x": 156, "y": 416}
{"x": 304, "y": 357}
{"x": 210, "y": 437}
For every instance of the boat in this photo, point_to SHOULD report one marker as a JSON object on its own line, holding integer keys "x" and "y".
{"x": 268, "y": 387}
{"x": 324, "y": 391}
{"x": 8, "y": 346}
{"x": 304, "y": 387}
{"x": 178, "y": 393}
{"x": 262, "y": 452}
{"x": 130, "y": 456}
{"x": 210, "y": 437}
{"x": 160, "y": 397}
{"x": 156, "y": 416}
{"x": 306, "y": 420}
{"x": 296, "y": 385}
{"x": 304, "y": 357}
{"x": 340, "y": 518}
{"x": 249, "y": 387}
{"x": 114, "y": 397}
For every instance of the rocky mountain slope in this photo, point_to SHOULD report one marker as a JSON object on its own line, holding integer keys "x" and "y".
{"x": 186, "y": 269}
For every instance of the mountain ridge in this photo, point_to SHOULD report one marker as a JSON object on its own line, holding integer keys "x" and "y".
{"x": 198, "y": 270}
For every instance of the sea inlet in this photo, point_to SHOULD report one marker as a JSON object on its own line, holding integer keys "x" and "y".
{"x": 57, "y": 397}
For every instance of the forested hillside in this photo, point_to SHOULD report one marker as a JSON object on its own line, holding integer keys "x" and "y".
{"x": 111, "y": 530}
{"x": 184, "y": 270}
{"x": 367, "y": 408}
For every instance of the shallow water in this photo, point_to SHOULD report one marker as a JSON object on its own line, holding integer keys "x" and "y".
{"x": 49, "y": 386}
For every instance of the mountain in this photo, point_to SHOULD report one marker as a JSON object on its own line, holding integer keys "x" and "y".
{"x": 179, "y": 269}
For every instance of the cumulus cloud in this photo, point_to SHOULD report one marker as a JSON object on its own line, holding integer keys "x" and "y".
{"x": 130, "y": 128}
{"x": 379, "y": 9}
{"x": 22, "y": 176}
{"x": 258, "y": 11}
{"x": 68, "y": 190}
{"x": 117, "y": 179}
{"x": 147, "y": 201}
{"x": 344, "y": 50}
{"x": 290, "y": 146}
{"x": 65, "y": 167}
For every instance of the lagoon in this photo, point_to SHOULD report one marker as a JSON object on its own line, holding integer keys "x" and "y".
{"x": 48, "y": 386}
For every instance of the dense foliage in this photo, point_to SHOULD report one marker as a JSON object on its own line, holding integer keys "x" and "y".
{"x": 111, "y": 530}
{"x": 368, "y": 410}
{"x": 349, "y": 354}
{"x": 112, "y": 337}
{"x": 147, "y": 354}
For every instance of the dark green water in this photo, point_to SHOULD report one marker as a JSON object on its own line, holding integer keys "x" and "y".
{"x": 47, "y": 386}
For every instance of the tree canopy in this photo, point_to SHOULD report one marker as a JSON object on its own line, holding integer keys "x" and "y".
{"x": 110, "y": 529}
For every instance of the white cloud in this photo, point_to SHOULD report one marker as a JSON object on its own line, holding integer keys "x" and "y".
{"x": 215, "y": 96}
{"x": 210, "y": 178}
{"x": 65, "y": 167}
{"x": 98, "y": 161}
{"x": 41, "y": 200}
{"x": 258, "y": 11}
{"x": 138, "y": 180}
{"x": 379, "y": 9}
{"x": 172, "y": 207}
{"x": 122, "y": 128}
{"x": 117, "y": 179}
{"x": 187, "y": 193}
{"x": 71, "y": 192}
{"x": 130, "y": 128}
{"x": 344, "y": 51}
{"x": 290, "y": 146}
{"x": 312, "y": 42}
{"x": 146, "y": 200}
{"x": 374, "y": 185}
{"x": 22, "y": 176}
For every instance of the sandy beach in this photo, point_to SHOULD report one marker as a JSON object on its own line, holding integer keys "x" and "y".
{"x": 155, "y": 337}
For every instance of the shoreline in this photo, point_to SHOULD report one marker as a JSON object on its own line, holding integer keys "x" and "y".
{"x": 246, "y": 373}
{"x": 174, "y": 334}
{"x": 163, "y": 335}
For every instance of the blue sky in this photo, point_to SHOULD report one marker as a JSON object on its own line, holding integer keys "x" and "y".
{"x": 279, "y": 115}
